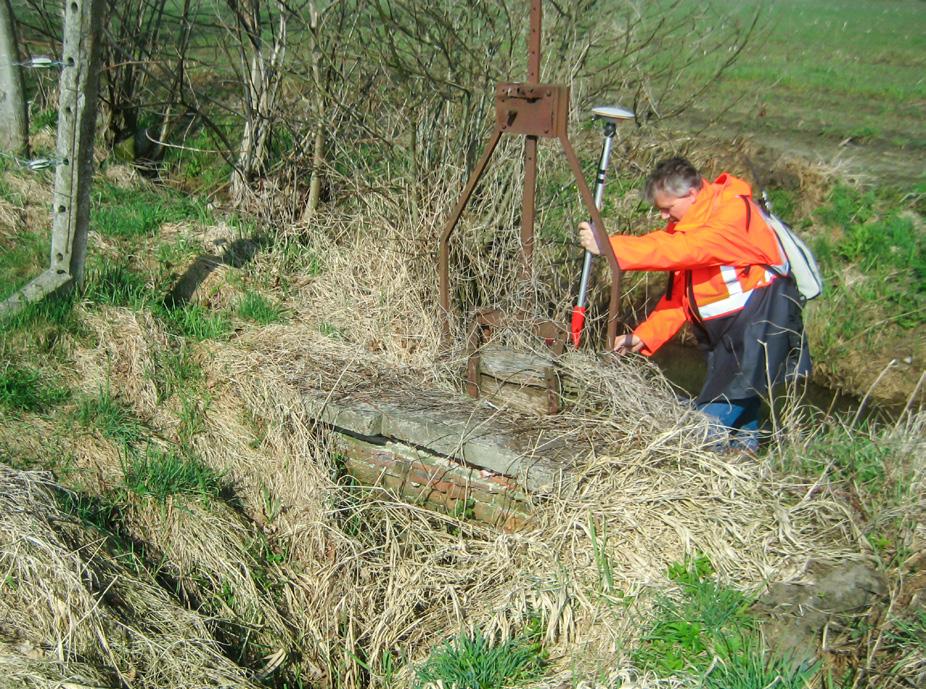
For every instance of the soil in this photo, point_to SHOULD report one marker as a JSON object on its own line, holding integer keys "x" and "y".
{"x": 873, "y": 160}
{"x": 794, "y": 615}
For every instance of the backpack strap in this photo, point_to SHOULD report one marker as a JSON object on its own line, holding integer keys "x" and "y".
{"x": 770, "y": 268}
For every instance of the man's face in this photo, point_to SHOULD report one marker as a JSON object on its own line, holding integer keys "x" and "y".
{"x": 673, "y": 207}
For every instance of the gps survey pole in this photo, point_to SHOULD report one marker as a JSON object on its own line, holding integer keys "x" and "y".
{"x": 611, "y": 114}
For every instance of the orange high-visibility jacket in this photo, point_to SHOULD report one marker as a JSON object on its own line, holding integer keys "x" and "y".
{"x": 725, "y": 259}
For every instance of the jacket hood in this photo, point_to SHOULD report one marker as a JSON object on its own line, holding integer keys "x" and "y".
{"x": 726, "y": 185}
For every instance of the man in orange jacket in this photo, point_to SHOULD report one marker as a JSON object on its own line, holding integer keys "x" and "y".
{"x": 726, "y": 273}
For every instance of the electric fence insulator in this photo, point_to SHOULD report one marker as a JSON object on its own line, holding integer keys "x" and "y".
{"x": 40, "y": 62}
{"x": 40, "y": 163}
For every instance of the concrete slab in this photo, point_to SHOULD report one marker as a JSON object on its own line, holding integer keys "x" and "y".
{"x": 532, "y": 452}
{"x": 356, "y": 417}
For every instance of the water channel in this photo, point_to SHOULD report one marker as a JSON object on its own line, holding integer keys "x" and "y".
{"x": 685, "y": 368}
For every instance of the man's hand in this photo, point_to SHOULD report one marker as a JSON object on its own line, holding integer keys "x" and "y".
{"x": 587, "y": 239}
{"x": 627, "y": 344}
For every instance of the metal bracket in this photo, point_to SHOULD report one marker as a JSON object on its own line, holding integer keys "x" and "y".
{"x": 532, "y": 109}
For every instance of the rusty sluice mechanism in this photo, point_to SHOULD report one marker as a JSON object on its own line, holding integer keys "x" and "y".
{"x": 533, "y": 110}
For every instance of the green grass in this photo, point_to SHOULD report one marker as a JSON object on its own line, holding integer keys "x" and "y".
{"x": 23, "y": 261}
{"x": 751, "y": 667}
{"x": 192, "y": 416}
{"x": 872, "y": 249}
{"x": 853, "y": 455}
{"x": 116, "y": 284}
{"x": 256, "y": 307}
{"x": 706, "y": 620}
{"x": 110, "y": 417}
{"x": 26, "y": 389}
{"x": 100, "y": 513}
{"x": 50, "y": 315}
{"x": 707, "y": 631}
{"x": 471, "y": 661}
{"x": 198, "y": 162}
{"x": 886, "y": 243}
{"x": 46, "y": 118}
{"x": 196, "y": 322}
{"x": 6, "y": 191}
{"x": 175, "y": 370}
{"x": 162, "y": 473}
{"x": 909, "y": 634}
{"x": 177, "y": 251}
{"x": 138, "y": 212}
{"x": 841, "y": 68}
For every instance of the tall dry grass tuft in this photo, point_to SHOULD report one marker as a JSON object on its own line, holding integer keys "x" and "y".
{"x": 216, "y": 560}
{"x": 67, "y": 600}
{"x": 126, "y": 356}
{"x": 12, "y": 221}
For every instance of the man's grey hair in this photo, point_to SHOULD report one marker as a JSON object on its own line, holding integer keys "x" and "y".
{"x": 675, "y": 176}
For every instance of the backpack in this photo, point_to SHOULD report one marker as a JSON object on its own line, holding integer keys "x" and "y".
{"x": 802, "y": 266}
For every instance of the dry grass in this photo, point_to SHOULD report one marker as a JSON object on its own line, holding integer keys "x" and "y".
{"x": 363, "y": 576}
{"x": 213, "y": 555}
{"x": 12, "y": 221}
{"x": 401, "y": 579}
{"x": 66, "y": 600}
{"x": 332, "y": 577}
{"x": 359, "y": 576}
{"x": 128, "y": 346}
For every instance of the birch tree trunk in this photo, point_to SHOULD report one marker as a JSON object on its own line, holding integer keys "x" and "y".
{"x": 262, "y": 75}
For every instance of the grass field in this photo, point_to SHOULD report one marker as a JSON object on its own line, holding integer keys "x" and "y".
{"x": 825, "y": 76}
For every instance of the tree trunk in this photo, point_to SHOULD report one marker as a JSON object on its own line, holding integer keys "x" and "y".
{"x": 315, "y": 183}
{"x": 261, "y": 85}
{"x": 318, "y": 146}
{"x": 14, "y": 124}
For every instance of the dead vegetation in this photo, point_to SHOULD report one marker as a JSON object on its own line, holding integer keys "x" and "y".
{"x": 291, "y": 571}
{"x": 293, "y": 574}
{"x": 316, "y": 572}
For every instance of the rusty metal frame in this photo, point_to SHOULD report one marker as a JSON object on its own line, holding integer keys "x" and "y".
{"x": 532, "y": 110}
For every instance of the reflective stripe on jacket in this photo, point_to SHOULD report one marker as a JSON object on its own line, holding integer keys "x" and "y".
{"x": 715, "y": 259}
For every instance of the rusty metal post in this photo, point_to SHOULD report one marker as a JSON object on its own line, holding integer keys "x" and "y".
{"x": 533, "y": 42}
{"x": 528, "y": 199}
{"x": 444, "y": 259}
{"x": 528, "y": 205}
{"x": 600, "y": 236}
{"x": 535, "y": 111}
